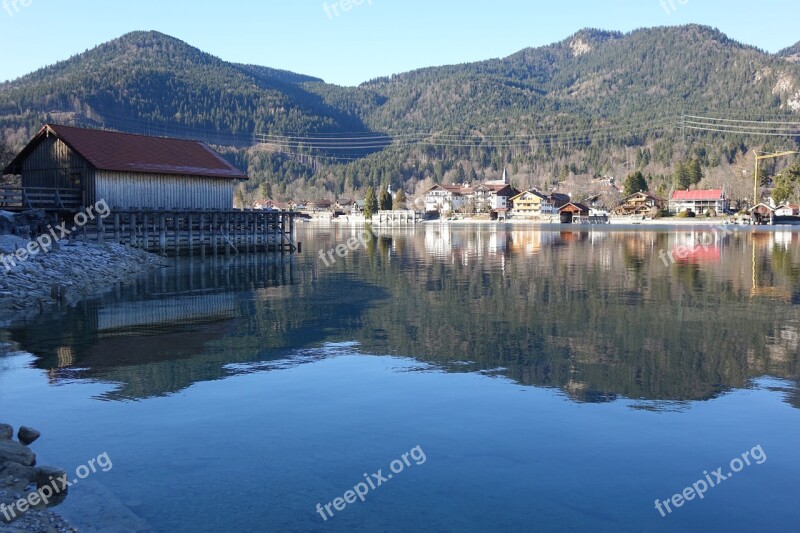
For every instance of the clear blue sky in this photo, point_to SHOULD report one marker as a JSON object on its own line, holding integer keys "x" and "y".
{"x": 376, "y": 38}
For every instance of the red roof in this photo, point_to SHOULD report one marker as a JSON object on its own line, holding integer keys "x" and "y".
{"x": 699, "y": 196}
{"x": 123, "y": 152}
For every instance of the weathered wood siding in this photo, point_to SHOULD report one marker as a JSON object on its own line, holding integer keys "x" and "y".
{"x": 132, "y": 191}
{"x": 52, "y": 164}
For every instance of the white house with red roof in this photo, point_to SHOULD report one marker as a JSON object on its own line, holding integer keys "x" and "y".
{"x": 446, "y": 198}
{"x": 699, "y": 201}
{"x": 788, "y": 210}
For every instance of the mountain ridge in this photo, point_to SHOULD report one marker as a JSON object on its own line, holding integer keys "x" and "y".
{"x": 631, "y": 87}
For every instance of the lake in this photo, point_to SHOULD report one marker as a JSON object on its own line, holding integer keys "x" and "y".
{"x": 436, "y": 378}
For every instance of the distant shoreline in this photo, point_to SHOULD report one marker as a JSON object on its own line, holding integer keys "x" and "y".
{"x": 614, "y": 223}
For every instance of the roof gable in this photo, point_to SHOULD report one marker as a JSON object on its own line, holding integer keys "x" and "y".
{"x": 123, "y": 152}
{"x": 529, "y": 195}
{"x": 642, "y": 195}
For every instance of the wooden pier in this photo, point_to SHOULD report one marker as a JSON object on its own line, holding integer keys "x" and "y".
{"x": 187, "y": 232}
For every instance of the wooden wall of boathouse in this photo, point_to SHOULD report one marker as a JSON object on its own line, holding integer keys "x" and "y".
{"x": 54, "y": 165}
{"x": 129, "y": 190}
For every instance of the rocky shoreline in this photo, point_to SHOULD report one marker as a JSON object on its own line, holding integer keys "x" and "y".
{"x": 24, "y": 486}
{"x": 63, "y": 275}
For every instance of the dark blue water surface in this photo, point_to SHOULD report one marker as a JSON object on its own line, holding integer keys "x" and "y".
{"x": 534, "y": 379}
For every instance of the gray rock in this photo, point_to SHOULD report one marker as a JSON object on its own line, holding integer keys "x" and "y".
{"x": 48, "y": 475}
{"x": 6, "y": 432}
{"x": 16, "y": 477}
{"x": 28, "y": 436}
{"x": 16, "y": 453}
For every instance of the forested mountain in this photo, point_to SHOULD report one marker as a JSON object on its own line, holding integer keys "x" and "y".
{"x": 150, "y": 82}
{"x": 792, "y": 53}
{"x": 598, "y": 103}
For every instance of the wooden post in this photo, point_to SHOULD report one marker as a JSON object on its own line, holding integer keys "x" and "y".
{"x": 291, "y": 226}
{"x": 265, "y": 230}
{"x": 283, "y": 232}
{"x": 227, "y": 225}
{"x": 202, "y": 218}
{"x": 190, "y": 221}
{"x": 254, "y": 231}
{"x": 101, "y": 230}
{"x": 275, "y": 227}
{"x": 146, "y": 230}
{"x": 214, "y": 231}
{"x": 162, "y": 233}
{"x": 117, "y": 233}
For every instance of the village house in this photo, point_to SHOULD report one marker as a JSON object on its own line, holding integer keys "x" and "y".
{"x": 67, "y": 168}
{"x": 446, "y": 198}
{"x": 698, "y": 202}
{"x": 640, "y": 204}
{"x": 489, "y": 196}
{"x": 318, "y": 205}
{"x": 534, "y": 203}
{"x": 271, "y": 205}
{"x": 790, "y": 210}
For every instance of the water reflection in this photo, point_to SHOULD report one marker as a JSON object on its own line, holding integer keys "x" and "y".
{"x": 598, "y": 314}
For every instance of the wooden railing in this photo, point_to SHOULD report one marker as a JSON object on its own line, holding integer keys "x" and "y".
{"x": 22, "y": 198}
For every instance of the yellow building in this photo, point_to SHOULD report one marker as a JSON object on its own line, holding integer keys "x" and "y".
{"x": 535, "y": 203}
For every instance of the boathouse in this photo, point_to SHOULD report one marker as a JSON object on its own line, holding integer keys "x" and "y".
{"x": 573, "y": 212}
{"x": 68, "y": 168}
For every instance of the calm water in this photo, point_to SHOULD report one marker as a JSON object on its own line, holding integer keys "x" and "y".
{"x": 551, "y": 380}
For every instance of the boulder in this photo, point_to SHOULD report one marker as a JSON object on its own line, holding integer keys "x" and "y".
{"x": 28, "y": 436}
{"x": 48, "y": 475}
{"x": 16, "y": 453}
{"x": 23, "y": 224}
{"x": 6, "y": 432}
{"x": 16, "y": 477}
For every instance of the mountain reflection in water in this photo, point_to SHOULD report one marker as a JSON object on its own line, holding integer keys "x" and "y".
{"x": 598, "y": 314}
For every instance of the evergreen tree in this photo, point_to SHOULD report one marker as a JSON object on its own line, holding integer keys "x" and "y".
{"x": 461, "y": 176}
{"x": 787, "y": 185}
{"x": 370, "y": 203}
{"x": 385, "y": 201}
{"x": 695, "y": 171}
{"x": 635, "y": 183}
{"x": 681, "y": 177}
